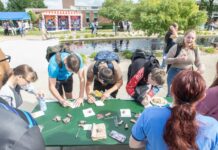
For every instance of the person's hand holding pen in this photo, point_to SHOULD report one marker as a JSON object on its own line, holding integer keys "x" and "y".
{"x": 78, "y": 102}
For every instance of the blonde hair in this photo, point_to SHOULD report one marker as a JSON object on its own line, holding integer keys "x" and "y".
{"x": 158, "y": 75}
{"x": 186, "y": 33}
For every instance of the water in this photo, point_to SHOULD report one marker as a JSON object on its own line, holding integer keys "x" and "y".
{"x": 88, "y": 47}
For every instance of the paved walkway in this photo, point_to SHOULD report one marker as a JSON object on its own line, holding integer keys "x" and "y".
{"x": 32, "y": 51}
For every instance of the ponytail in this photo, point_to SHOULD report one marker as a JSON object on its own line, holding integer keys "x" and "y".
{"x": 181, "y": 128}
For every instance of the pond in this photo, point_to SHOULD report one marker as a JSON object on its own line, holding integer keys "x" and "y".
{"x": 146, "y": 44}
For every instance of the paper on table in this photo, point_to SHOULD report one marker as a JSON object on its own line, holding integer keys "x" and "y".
{"x": 99, "y": 103}
{"x": 88, "y": 112}
{"x": 125, "y": 113}
{"x": 87, "y": 127}
{"x": 38, "y": 114}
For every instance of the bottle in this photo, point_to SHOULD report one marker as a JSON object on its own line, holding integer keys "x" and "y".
{"x": 42, "y": 103}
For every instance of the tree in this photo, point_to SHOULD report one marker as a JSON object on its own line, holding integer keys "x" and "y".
{"x": 116, "y": 10}
{"x": 154, "y": 17}
{"x": 2, "y": 6}
{"x": 21, "y": 5}
{"x": 209, "y": 6}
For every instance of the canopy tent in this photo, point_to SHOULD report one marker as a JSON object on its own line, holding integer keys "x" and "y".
{"x": 14, "y": 16}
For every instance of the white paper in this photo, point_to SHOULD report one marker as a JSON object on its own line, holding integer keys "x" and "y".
{"x": 88, "y": 112}
{"x": 87, "y": 127}
{"x": 125, "y": 113}
{"x": 99, "y": 103}
{"x": 38, "y": 114}
{"x": 50, "y": 100}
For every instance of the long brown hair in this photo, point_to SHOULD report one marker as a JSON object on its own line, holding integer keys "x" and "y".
{"x": 215, "y": 82}
{"x": 181, "y": 129}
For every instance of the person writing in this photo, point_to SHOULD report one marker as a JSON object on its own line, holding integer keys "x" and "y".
{"x": 179, "y": 127}
{"x": 20, "y": 79}
{"x": 144, "y": 77}
{"x": 106, "y": 75}
{"x": 61, "y": 77}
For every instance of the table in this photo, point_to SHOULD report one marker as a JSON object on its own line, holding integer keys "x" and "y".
{"x": 60, "y": 134}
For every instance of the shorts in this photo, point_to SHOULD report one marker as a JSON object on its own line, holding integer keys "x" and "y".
{"x": 98, "y": 86}
{"x": 66, "y": 85}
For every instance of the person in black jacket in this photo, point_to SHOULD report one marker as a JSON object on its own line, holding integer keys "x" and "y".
{"x": 144, "y": 77}
{"x": 18, "y": 130}
{"x": 170, "y": 40}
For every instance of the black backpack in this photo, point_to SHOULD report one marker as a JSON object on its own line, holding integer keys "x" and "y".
{"x": 107, "y": 57}
{"x": 57, "y": 50}
{"x": 18, "y": 130}
{"x": 149, "y": 62}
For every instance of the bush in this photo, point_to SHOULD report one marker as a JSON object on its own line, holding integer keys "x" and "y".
{"x": 209, "y": 50}
{"x": 84, "y": 57}
{"x": 61, "y": 37}
{"x": 127, "y": 54}
{"x": 93, "y": 55}
{"x": 106, "y": 26}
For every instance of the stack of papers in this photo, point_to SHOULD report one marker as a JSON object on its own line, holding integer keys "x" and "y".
{"x": 98, "y": 132}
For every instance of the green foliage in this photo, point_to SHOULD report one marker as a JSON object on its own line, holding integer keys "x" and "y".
{"x": 84, "y": 57}
{"x": 61, "y": 37}
{"x": 116, "y": 10}
{"x": 155, "y": 17}
{"x": 93, "y": 55}
{"x": 106, "y": 26}
{"x": 158, "y": 54}
{"x": 33, "y": 16}
{"x": 2, "y": 8}
{"x": 127, "y": 54}
{"x": 209, "y": 6}
{"x": 210, "y": 50}
{"x": 20, "y": 5}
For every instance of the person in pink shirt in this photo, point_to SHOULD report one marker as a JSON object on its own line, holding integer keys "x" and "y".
{"x": 209, "y": 106}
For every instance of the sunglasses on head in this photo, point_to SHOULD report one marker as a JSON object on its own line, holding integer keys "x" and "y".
{"x": 7, "y": 58}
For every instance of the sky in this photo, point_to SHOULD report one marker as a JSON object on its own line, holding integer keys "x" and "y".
{"x": 57, "y": 4}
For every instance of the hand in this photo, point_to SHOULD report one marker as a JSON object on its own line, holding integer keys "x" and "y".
{"x": 65, "y": 103}
{"x": 40, "y": 94}
{"x": 182, "y": 58}
{"x": 105, "y": 95}
{"x": 91, "y": 99}
{"x": 78, "y": 102}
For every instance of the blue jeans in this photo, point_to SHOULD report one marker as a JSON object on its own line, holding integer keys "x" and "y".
{"x": 170, "y": 76}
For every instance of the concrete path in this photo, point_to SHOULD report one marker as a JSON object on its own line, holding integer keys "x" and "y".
{"x": 32, "y": 52}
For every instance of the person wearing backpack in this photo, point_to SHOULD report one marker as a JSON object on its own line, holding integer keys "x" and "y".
{"x": 183, "y": 57}
{"x": 62, "y": 66}
{"x": 144, "y": 77}
{"x": 106, "y": 74}
{"x": 18, "y": 130}
{"x": 170, "y": 40}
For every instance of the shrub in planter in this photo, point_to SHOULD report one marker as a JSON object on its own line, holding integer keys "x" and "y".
{"x": 127, "y": 54}
{"x": 93, "y": 55}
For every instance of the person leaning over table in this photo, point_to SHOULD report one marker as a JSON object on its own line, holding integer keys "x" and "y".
{"x": 209, "y": 105}
{"x": 144, "y": 78}
{"x": 61, "y": 78}
{"x": 179, "y": 127}
{"x": 105, "y": 79}
{"x": 18, "y": 130}
{"x": 188, "y": 56}
{"x": 20, "y": 79}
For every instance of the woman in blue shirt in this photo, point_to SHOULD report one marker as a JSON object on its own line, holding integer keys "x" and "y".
{"x": 179, "y": 127}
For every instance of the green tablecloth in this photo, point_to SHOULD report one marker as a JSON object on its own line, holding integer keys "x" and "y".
{"x": 60, "y": 134}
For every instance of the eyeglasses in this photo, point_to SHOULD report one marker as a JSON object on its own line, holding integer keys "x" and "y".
{"x": 7, "y": 57}
{"x": 27, "y": 80}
